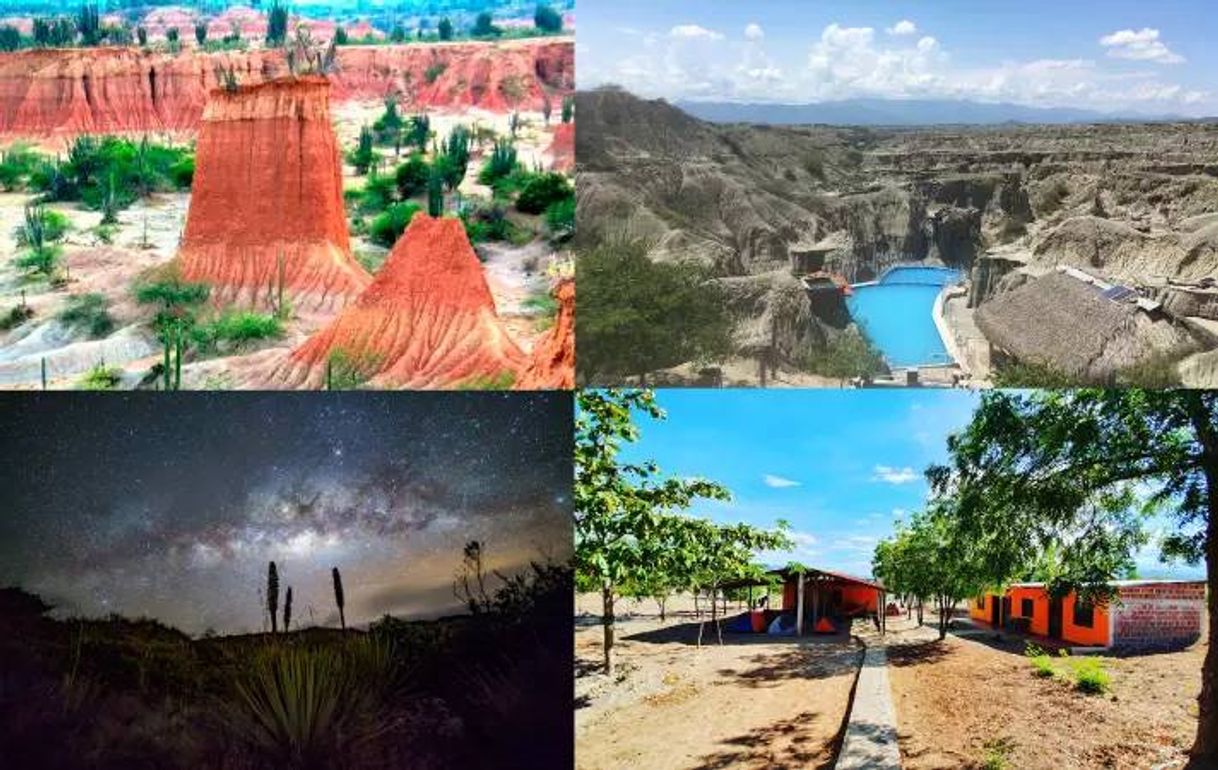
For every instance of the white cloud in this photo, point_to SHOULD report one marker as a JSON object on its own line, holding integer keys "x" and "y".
{"x": 695, "y": 32}
{"x": 890, "y": 475}
{"x": 803, "y": 539}
{"x": 753, "y": 31}
{"x": 779, "y": 482}
{"x": 1139, "y": 45}
{"x": 903, "y": 27}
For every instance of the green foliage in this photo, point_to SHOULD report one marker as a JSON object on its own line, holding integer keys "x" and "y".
{"x": 378, "y": 194}
{"x": 445, "y": 29}
{"x": 411, "y": 177}
{"x": 39, "y": 259}
{"x": 543, "y": 190}
{"x": 1042, "y": 664}
{"x": 434, "y": 71}
{"x": 997, "y": 754}
{"x": 484, "y": 26}
{"x": 16, "y": 316}
{"x": 420, "y": 131}
{"x": 172, "y": 293}
{"x": 113, "y": 171}
{"x": 547, "y": 19}
{"x": 277, "y": 25}
{"x": 88, "y": 24}
{"x": 389, "y": 225}
{"x": 41, "y": 225}
{"x": 568, "y": 109}
{"x": 173, "y": 37}
{"x": 846, "y": 355}
{"x": 363, "y": 156}
{"x": 1090, "y": 676}
{"x": 501, "y": 381}
{"x": 17, "y": 163}
{"x": 500, "y": 164}
{"x": 236, "y": 329}
{"x": 435, "y": 192}
{"x": 141, "y": 35}
{"x": 201, "y": 33}
{"x": 340, "y": 36}
{"x": 102, "y": 377}
{"x": 88, "y": 312}
{"x": 560, "y": 219}
{"x": 454, "y": 156}
{"x": 489, "y": 222}
{"x": 347, "y": 370}
{"x": 636, "y": 315}
{"x": 388, "y": 125}
{"x": 10, "y": 38}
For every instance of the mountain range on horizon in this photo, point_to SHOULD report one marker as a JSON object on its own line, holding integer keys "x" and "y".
{"x": 907, "y": 112}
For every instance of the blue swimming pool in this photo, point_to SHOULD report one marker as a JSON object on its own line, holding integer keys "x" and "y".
{"x": 896, "y": 314}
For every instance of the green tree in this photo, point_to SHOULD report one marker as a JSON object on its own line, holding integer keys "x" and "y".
{"x": 340, "y": 36}
{"x": 277, "y": 25}
{"x": 445, "y": 29}
{"x": 338, "y": 596}
{"x": 1078, "y": 471}
{"x": 637, "y": 315}
{"x": 547, "y": 19}
{"x": 10, "y": 38}
{"x": 435, "y": 192}
{"x": 272, "y": 596}
{"x": 88, "y": 24}
{"x": 621, "y": 525}
{"x": 201, "y": 33}
{"x": 484, "y": 26}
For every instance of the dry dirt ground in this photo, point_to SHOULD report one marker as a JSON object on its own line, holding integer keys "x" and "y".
{"x": 148, "y": 236}
{"x": 754, "y": 702}
{"x": 958, "y": 700}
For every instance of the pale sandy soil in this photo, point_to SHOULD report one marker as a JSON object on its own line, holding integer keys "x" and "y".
{"x": 956, "y": 699}
{"x": 754, "y": 702}
{"x": 148, "y": 236}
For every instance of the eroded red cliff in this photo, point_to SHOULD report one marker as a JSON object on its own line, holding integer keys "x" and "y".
{"x": 552, "y": 364}
{"x": 107, "y": 90}
{"x": 266, "y": 205}
{"x": 427, "y": 321}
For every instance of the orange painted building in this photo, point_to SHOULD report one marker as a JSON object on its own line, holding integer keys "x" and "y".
{"x": 1144, "y": 613}
{"x": 831, "y": 593}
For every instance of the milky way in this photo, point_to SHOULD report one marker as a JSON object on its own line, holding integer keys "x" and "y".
{"x": 171, "y": 507}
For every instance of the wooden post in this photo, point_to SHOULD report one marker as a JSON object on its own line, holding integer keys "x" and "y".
{"x": 799, "y": 606}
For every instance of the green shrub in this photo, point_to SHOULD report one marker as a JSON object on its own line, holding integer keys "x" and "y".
{"x": 411, "y": 176}
{"x": 182, "y": 172}
{"x": 389, "y": 225}
{"x": 102, "y": 377}
{"x": 15, "y": 317}
{"x": 543, "y": 190}
{"x": 1042, "y": 664}
{"x": 501, "y": 381}
{"x": 237, "y": 328}
{"x": 172, "y": 293}
{"x": 998, "y": 754}
{"x": 346, "y": 370}
{"x": 500, "y": 164}
{"x": 1090, "y": 676}
{"x": 89, "y": 312}
{"x": 377, "y": 194}
{"x": 16, "y": 164}
{"x": 39, "y": 259}
{"x": 560, "y": 219}
{"x": 363, "y": 156}
{"x": 434, "y": 71}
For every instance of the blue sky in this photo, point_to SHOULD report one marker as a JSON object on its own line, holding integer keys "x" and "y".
{"x": 840, "y": 466}
{"x": 1119, "y": 56}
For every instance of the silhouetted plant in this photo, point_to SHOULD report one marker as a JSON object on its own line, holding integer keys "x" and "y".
{"x": 141, "y": 35}
{"x": 470, "y": 585}
{"x": 338, "y": 597}
{"x": 287, "y": 611}
{"x": 201, "y": 33}
{"x": 277, "y": 25}
{"x": 272, "y": 596}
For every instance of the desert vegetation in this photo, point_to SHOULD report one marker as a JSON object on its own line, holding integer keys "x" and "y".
{"x": 481, "y": 689}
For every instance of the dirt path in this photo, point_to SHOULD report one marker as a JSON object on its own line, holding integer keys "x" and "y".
{"x": 754, "y": 702}
{"x": 961, "y": 701}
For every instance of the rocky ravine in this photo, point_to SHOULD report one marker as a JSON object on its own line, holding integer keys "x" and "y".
{"x": 1132, "y": 202}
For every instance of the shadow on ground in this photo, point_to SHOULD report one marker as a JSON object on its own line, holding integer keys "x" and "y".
{"x": 754, "y": 748}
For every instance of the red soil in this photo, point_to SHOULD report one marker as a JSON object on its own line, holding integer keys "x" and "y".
{"x": 553, "y": 361}
{"x": 427, "y": 321}
{"x": 562, "y": 147}
{"x": 111, "y": 90}
{"x": 267, "y": 185}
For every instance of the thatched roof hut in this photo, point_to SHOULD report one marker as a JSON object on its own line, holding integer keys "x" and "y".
{"x": 1066, "y": 324}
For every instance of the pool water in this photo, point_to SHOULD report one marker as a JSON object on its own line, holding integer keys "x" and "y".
{"x": 895, "y": 312}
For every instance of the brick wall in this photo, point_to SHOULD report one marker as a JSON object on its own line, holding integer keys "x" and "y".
{"x": 1159, "y": 615}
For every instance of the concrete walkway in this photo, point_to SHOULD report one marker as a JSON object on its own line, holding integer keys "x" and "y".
{"x": 871, "y": 734}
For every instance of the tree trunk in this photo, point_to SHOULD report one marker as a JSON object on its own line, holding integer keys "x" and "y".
{"x": 607, "y": 625}
{"x": 1204, "y": 752}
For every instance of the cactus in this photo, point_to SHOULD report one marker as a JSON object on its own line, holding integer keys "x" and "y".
{"x": 272, "y": 596}
{"x": 338, "y": 596}
{"x": 287, "y": 611}
{"x": 177, "y": 365}
{"x": 435, "y": 193}
{"x": 165, "y": 363}
{"x": 44, "y": 373}
{"x": 329, "y": 374}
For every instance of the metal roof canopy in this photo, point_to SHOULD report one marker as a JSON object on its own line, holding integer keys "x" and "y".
{"x": 811, "y": 573}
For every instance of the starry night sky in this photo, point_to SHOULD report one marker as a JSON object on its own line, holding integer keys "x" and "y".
{"x": 171, "y": 507}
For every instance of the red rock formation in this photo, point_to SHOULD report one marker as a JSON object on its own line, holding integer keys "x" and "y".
{"x": 111, "y": 90}
{"x": 427, "y": 321}
{"x": 562, "y": 147}
{"x": 553, "y": 361}
{"x": 268, "y": 186}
